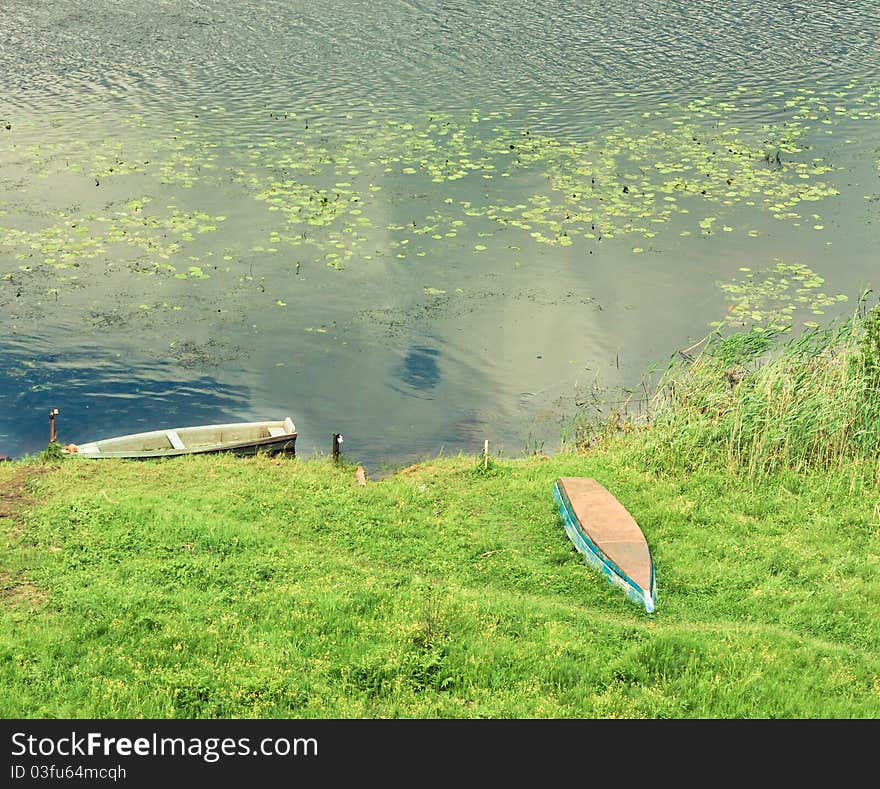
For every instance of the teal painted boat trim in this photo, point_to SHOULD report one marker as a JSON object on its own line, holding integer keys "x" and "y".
{"x": 597, "y": 558}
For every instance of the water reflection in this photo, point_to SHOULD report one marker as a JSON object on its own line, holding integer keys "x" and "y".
{"x": 420, "y": 369}
{"x": 396, "y": 224}
{"x": 100, "y": 397}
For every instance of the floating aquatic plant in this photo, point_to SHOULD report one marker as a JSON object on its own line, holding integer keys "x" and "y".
{"x": 403, "y": 186}
{"x": 769, "y": 298}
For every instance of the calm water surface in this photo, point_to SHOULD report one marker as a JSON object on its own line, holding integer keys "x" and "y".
{"x": 421, "y": 225}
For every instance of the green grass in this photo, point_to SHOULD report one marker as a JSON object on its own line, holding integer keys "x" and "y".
{"x": 230, "y": 587}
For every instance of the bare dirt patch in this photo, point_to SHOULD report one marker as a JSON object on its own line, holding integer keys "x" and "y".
{"x": 420, "y": 468}
{"x": 15, "y": 497}
{"x": 14, "y": 494}
{"x": 16, "y": 590}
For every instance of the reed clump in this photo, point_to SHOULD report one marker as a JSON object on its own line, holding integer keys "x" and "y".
{"x": 762, "y": 401}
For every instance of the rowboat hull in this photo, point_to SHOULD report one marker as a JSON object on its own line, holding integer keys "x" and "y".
{"x": 608, "y": 537}
{"x": 240, "y": 438}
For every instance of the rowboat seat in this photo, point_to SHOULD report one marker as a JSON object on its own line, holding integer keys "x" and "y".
{"x": 277, "y": 431}
{"x": 175, "y": 439}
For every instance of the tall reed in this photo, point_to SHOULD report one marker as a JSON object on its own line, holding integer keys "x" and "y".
{"x": 761, "y": 400}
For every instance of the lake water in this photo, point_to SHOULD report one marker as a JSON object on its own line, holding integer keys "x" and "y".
{"x": 422, "y": 225}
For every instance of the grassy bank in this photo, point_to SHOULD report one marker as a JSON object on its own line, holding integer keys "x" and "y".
{"x": 232, "y": 587}
{"x": 206, "y": 587}
{"x": 760, "y": 401}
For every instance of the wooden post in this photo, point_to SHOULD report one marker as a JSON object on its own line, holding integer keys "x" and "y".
{"x": 337, "y": 440}
{"x": 52, "y": 414}
{"x": 486, "y": 453}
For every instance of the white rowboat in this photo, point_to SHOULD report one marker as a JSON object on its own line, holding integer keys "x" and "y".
{"x": 240, "y": 438}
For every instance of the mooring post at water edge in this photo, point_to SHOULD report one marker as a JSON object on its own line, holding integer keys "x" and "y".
{"x": 52, "y": 414}
{"x": 337, "y": 440}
